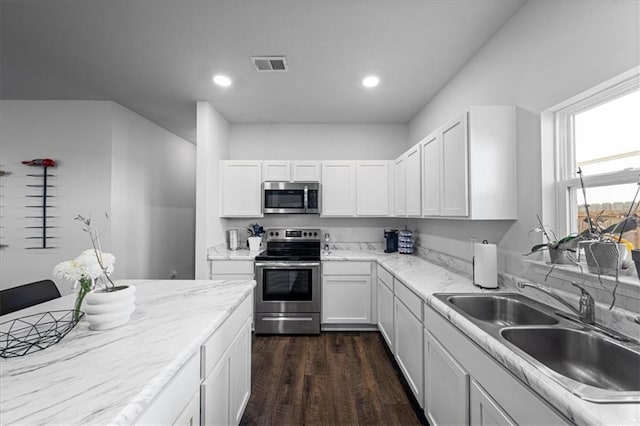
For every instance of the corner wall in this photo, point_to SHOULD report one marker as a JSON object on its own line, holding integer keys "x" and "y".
{"x": 547, "y": 52}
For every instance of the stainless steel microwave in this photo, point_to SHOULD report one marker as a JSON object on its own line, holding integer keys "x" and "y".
{"x": 291, "y": 198}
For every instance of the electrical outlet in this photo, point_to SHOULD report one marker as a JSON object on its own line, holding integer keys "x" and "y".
{"x": 174, "y": 275}
{"x": 349, "y": 233}
{"x": 473, "y": 242}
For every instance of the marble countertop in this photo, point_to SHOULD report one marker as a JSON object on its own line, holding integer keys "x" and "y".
{"x": 111, "y": 376}
{"x": 425, "y": 279}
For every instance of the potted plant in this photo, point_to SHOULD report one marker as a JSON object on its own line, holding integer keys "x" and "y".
{"x": 561, "y": 251}
{"x": 255, "y": 236}
{"x": 107, "y": 305}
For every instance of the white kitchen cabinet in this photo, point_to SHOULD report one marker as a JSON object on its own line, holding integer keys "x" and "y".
{"x": 372, "y": 188}
{"x": 385, "y": 313}
{"x": 231, "y": 270}
{"x": 190, "y": 416}
{"x": 455, "y": 167}
{"x": 276, "y": 171}
{"x": 306, "y": 171}
{"x": 399, "y": 182}
{"x": 413, "y": 182}
{"x": 240, "y": 188}
{"x": 226, "y": 369}
{"x": 346, "y": 293}
{"x": 338, "y": 188}
{"x": 446, "y": 393}
{"x": 484, "y": 411}
{"x": 469, "y": 165}
{"x": 431, "y": 150}
{"x": 408, "y": 335}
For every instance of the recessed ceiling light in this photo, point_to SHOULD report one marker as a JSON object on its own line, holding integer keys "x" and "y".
{"x": 222, "y": 80}
{"x": 370, "y": 81}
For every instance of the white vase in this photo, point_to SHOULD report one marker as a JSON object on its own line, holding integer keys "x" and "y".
{"x": 254, "y": 243}
{"x": 109, "y": 309}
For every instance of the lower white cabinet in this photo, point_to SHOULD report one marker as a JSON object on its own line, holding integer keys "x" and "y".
{"x": 446, "y": 396}
{"x": 231, "y": 270}
{"x": 346, "y": 293}
{"x": 407, "y": 330}
{"x": 484, "y": 410}
{"x": 190, "y": 416}
{"x": 385, "y": 313}
{"x": 215, "y": 397}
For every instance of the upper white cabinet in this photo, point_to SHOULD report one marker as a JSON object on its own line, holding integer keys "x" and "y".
{"x": 468, "y": 165}
{"x": 338, "y": 188}
{"x": 431, "y": 147}
{"x": 400, "y": 200}
{"x": 454, "y": 166}
{"x": 305, "y": 171}
{"x": 276, "y": 171}
{"x": 372, "y": 188}
{"x": 241, "y": 188}
{"x": 412, "y": 182}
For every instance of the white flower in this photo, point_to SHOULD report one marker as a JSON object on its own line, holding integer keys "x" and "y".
{"x": 85, "y": 266}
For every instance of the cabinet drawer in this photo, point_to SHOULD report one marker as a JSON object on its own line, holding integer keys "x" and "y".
{"x": 409, "y": 298}
{"x": 346, "y": 268}
{"x": 231, "y": 267}
{"x": 386, "y": 277}
{"x": 216, "y": 345}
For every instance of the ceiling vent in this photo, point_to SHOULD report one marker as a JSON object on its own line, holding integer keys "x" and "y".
{"x": 270, "y": 63}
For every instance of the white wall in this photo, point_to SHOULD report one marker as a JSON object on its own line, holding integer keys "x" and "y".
{"x": 110, "y": 160}
{"x": 547, "y": 52}
{"x": 77, "y": 135}
{"x": 317, "y": 141}
{"x": 212, "y": 131}
{"x": 153, "y": 199}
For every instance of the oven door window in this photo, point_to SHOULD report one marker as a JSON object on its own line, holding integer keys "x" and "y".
{"x": 287, "y": 285}
{"x": 284, "y": 199}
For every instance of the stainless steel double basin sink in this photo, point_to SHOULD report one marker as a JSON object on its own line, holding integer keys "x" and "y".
{"x": 588, "y": 363}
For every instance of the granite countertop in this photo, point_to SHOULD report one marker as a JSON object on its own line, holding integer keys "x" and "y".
{"x": 425, "y": 279}
{"x": 111, "y": 376}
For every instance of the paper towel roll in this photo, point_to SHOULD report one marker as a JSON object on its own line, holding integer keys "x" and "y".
{"x": 485, "y": 265}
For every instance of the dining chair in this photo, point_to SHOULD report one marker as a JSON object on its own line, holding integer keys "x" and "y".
{"x": 23, "y": 296}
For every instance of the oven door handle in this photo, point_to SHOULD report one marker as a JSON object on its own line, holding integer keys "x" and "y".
{"x": 286, "y": 264}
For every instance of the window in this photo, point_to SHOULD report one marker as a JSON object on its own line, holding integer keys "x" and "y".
{"x": 599, "y": 132}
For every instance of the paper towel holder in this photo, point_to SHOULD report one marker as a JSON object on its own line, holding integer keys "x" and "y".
{"x": 473, "y": 271}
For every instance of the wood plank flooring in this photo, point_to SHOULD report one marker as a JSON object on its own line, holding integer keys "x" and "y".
{"x": 337, "y": 378}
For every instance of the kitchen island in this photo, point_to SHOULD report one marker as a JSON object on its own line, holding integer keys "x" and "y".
{"x": 118, "y": 376}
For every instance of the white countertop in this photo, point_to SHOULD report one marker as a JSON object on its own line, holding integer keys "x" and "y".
{"x": 111, "y": 376}
{"x": 425, "y": 279}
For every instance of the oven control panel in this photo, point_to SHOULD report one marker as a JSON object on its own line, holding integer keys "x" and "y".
{"x": 293, "y": 234}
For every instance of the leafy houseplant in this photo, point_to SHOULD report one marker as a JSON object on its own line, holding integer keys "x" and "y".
{"x": 561, "y": 251}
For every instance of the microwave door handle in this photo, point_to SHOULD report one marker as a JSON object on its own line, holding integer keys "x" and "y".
{"x": 306, "y": 198}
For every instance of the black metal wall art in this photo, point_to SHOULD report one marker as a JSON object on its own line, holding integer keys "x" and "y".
{"x": 44, "y": 196}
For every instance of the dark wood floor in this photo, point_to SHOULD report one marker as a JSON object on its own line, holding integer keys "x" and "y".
{"x": 337, "y": 378}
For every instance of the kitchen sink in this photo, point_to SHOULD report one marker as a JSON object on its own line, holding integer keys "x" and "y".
{"x": 587, "y": 360}
{"x": 580, "y": 355}
{"x": 500, "y": 310}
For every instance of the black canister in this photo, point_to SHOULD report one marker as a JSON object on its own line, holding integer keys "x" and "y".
{"x": 391, "y": 240}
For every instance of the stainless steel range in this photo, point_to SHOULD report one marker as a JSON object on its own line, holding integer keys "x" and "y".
{"x": 288, "y": 277}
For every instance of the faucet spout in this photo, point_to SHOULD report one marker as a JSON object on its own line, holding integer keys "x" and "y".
{"x": 586, "y": 311}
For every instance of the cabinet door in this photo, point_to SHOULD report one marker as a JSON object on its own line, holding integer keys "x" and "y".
{"x": 372, "y": 188}
{"x": 385, "y": 313}
{"x": 305, "y": 171}
{"x": 276, "y": 171}
{"x": 346, "y": 299}
{"x": 455, "y": 168}
{"x": 431, "y": 150}
{"x": 338, "y": 188}
{"x": 240, "y": 372}
{"x": 241, "y": 188}
{"x": 484, "y": 410}
{"x": 400, "y": 204}
{"x": 214, "y": 396}
{"x": 446, "y": 386}
{"x": 408, "y": 333}
{"x": 412, "y": 182}
{"x": 190, "y": 416}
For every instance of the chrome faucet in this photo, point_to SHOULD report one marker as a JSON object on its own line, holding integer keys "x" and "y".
{"x": 587, "y": 307}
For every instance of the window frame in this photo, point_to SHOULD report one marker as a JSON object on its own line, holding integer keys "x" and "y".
{"x": 558, "y": 142}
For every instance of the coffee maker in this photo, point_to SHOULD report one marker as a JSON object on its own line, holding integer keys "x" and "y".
{"x": 390, "y": 240}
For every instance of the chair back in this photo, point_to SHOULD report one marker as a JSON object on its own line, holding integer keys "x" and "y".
{"x": 23, "y": 296}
